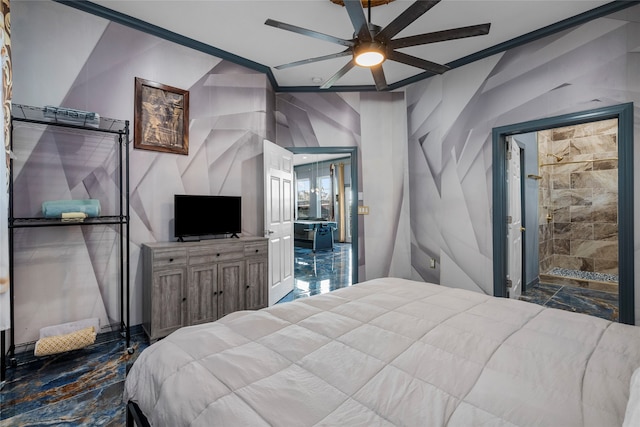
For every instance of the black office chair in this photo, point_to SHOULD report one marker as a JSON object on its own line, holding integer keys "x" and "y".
{"x": 323, "y": 238}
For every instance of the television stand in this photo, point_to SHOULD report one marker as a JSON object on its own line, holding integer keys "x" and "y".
{"x": 192, "y": 282}
{"x": 235, "y": 235}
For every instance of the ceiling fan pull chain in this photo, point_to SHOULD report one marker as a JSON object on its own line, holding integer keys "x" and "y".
{"x": 369, "y": 10}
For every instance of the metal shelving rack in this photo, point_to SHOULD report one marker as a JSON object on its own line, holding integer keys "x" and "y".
{"x": 120, "y": 129}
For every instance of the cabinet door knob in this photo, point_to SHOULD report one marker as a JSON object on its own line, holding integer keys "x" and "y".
{"x": 215, "y": 293}
{"x": 248, "y": 286}
{"x": 217, "y": 254}
{"x": 257, "y": 250}
{"x": 170, "y": 259}
{"x": 220, "y": 292}
{"x": 184, "y": 299}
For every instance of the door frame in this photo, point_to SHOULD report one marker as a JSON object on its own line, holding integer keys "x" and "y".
{"x": 624, "y": 114}
{"x": 353, "y": 153}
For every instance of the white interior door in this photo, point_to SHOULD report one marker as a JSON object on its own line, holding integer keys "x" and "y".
{"x": 278, "y": 218}
{"x": 514, "y": 219}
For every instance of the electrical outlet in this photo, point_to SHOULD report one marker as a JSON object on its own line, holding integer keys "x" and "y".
{"x": 363, "y": 210}
{"x": 432, "y": 263}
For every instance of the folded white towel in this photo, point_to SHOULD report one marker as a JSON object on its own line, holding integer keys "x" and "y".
{"x": 74, "y": 215}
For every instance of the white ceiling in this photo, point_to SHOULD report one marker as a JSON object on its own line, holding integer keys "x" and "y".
{"x": 238, "y": 28}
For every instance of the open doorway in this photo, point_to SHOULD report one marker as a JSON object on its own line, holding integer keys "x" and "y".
{"x": 325, "y": 226}
{"x": 577, "y": 206}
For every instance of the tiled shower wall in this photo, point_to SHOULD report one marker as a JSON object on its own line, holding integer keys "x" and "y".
{"x": 578, "y": 197}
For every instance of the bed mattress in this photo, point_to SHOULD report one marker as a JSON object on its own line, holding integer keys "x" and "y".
{"x": 390, "y": 352}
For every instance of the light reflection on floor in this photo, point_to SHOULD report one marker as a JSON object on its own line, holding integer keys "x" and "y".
{"x": 320, "y": 272}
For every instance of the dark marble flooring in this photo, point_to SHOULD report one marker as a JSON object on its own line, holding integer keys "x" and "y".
{"x": 79, "y": 388}
{"x": 572, "y": 298}
{"x": 321, "y": 271}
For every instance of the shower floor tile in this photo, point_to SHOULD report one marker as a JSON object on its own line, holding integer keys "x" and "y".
{"x": 580, "y": 300}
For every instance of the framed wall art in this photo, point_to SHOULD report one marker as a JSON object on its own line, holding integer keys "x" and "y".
{"x": 161, "y": 117}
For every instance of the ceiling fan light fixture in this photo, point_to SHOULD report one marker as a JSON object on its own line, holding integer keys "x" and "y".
{"x": 369, "y": 55}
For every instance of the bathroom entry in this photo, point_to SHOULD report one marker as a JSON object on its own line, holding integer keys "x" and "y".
{"x": 562, "y": 191}
{"x": 577, "y": 209}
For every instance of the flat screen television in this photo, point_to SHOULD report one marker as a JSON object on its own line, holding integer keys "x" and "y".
{"x": 196, "y": 215}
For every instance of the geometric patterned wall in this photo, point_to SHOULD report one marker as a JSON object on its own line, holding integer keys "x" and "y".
{"x": 375, "y": 123}
{"x": 451, "y": 117}
{"x": 231, "y": 113}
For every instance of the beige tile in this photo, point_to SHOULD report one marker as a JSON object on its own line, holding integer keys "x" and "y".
{"x": 544, "y": 232}
{"x": 581, "y": 231}
{"x": 594, "y": 144}
{"x": 604, "y": 231}
{"x": 560, "y": 181}
{"x": 603, "y": 249}
{"x": 599, "y": 127}
{"x": 572, "y": 262}
{"x": 561, "y": 198}
{"x": 546, "y": 263}
{"x": 561, "y": 230}
{"x": 609, "y": 266}
{"x": 572, "y": 165}
{"x": 604, "y": 197}
{"x": 561, "y": 246}
{"x": 604, "y": 286}
{"x": 595, "y": 179}
{"x": 562, "y": 214}
{"x": 561, "y": 280}
{"x": 604, "y": 160}
{"x": 581, "y": 213}
{"x": 581, "y": 196}
{"x": 604, "y": 214}
{"x": 566, "y": 132}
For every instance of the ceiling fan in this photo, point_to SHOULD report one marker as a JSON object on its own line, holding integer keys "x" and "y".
{"x": 371, "y": 45}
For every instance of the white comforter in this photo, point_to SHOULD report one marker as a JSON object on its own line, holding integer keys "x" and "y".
{"x": 391, "y": 352}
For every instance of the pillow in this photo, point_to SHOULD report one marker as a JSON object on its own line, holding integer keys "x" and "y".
{"x": 67, "y": 342}
{"x": 632, "y": 415}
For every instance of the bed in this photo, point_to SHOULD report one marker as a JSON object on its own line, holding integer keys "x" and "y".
{"x": 392, "y": 352}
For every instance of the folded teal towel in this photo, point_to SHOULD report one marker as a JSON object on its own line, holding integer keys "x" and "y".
{"x": 55, "y": 208}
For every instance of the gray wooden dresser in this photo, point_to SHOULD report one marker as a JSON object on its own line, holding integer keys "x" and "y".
{"x": 187, "y": 283}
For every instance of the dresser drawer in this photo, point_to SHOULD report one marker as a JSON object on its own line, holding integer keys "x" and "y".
{"x": 169, "y": 258}
{"x": 227, "y": 252}
{"x": 252, "y": 249}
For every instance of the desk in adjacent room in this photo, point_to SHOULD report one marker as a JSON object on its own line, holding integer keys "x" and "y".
{"x": 314, "y": 234}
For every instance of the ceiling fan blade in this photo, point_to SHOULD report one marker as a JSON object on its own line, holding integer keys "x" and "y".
{"x": 378, "y": 77}
{"x": 417, "y": 62}
{"x": 316, "y": 59}
{"x": 310, "y": 33}
{"x": 413, "y": 12}
{"x": 439, "y": 36}
{"x": 359, "y": 21}
{"x": 339, "y": 74}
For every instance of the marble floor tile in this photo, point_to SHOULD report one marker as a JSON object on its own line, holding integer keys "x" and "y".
{"x": 580, "y": 300}
{"x": 320, "y": 272}
{"x": 82, "y": 387}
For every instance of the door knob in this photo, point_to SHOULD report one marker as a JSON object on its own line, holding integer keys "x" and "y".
{"x": 270, "y": 231}
{"x": 522, "y": 229}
